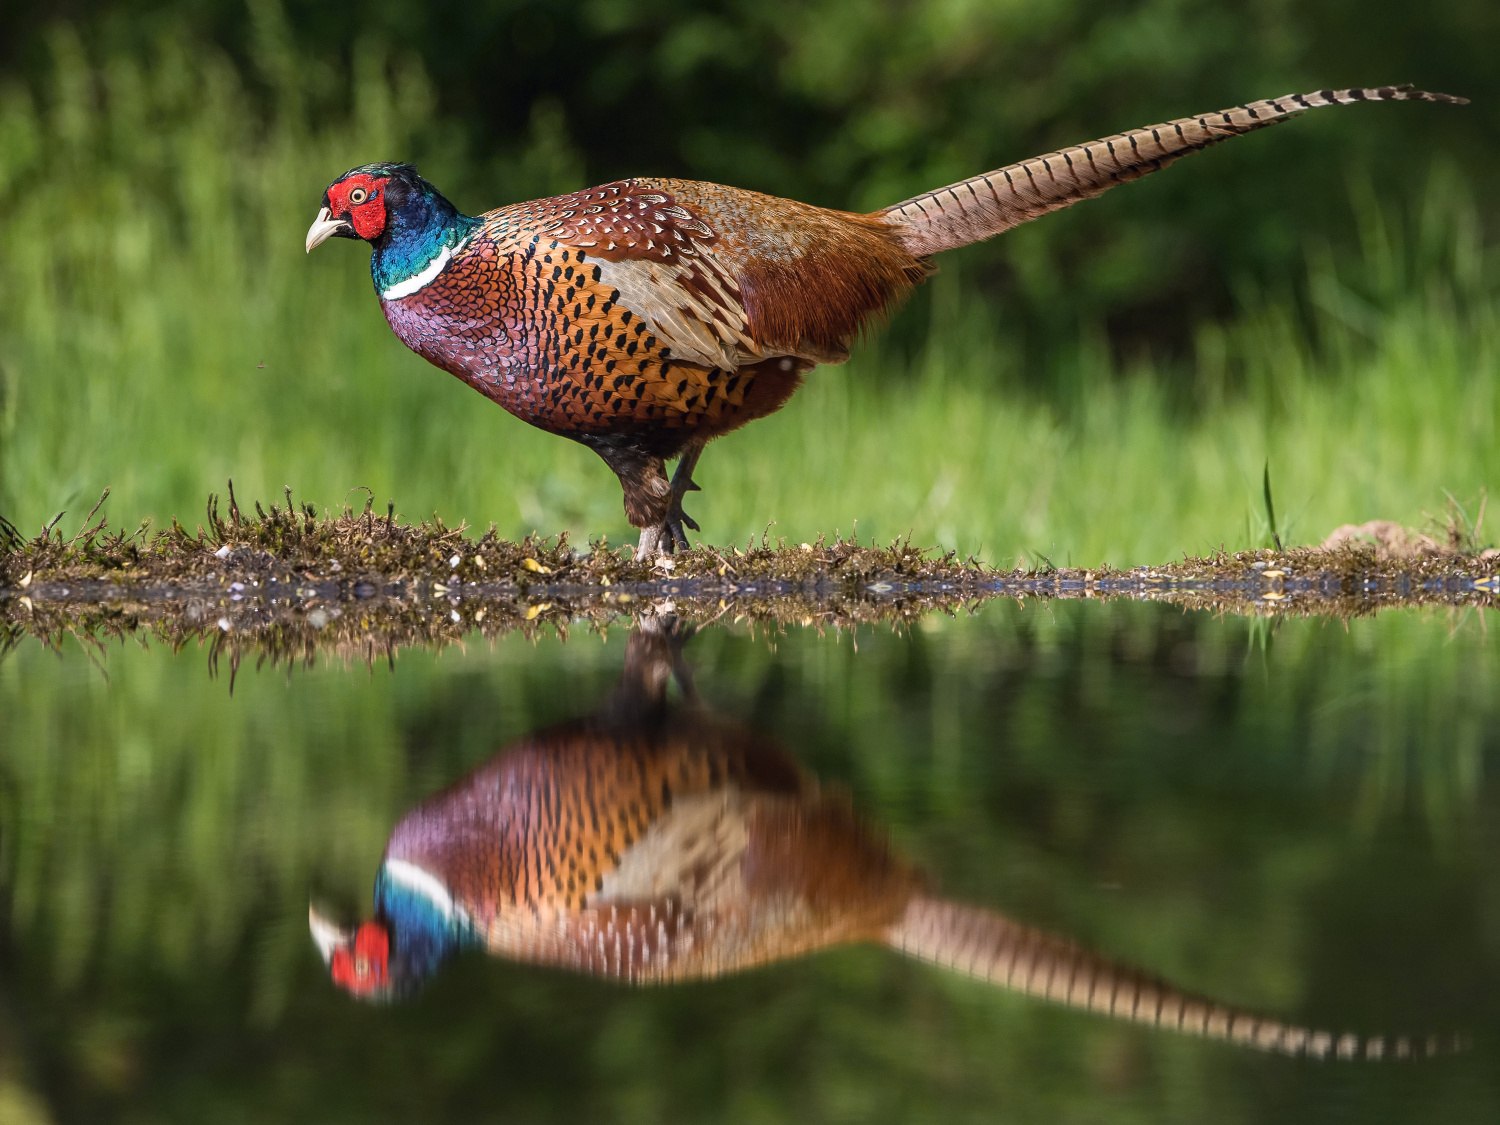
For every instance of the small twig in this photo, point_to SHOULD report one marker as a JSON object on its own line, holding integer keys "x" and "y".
{"x": 729, "y": 566}
{"x": 103, "y": 496}
{"x": 10, "y": 536}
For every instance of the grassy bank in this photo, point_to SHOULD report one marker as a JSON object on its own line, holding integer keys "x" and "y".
{"x": 164, "y": 332}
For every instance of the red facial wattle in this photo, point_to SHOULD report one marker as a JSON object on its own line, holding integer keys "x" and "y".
{"x": 360, "y": 199}
{"x": 363, "y": 965}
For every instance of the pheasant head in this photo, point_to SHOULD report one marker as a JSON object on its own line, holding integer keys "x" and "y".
{"x": 413, "y": 229}
{"x": 416, "y": 927}
{"x": 359, "y": 960}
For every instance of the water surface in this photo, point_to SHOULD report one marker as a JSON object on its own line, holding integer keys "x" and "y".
{"x": 1293, "y": 817}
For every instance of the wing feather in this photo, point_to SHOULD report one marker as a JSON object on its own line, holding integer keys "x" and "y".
{"x": 729, "y": 278}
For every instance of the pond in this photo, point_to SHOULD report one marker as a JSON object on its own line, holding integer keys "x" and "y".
{"x": 1130, "y": 805}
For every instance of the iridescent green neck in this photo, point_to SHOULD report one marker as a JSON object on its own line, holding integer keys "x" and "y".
{"x": 420, "y": 237}
{"x": 426, "y": 924}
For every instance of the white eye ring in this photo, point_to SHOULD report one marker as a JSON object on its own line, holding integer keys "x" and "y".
{"x": 358, "y": 196}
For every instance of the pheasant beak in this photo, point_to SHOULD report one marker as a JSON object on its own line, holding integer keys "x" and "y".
{"x": 324, "y": 227}
{"x": 327, "y": 935}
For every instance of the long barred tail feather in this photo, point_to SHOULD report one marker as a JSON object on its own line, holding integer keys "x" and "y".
{"x": 984, "y": 206}
{"x": 992, "y": 948}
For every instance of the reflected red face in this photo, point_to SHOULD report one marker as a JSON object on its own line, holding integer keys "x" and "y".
{"x": 363, "y": 966}
{"x": 360, "y": 198}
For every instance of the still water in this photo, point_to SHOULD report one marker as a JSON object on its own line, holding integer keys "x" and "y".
{"x": 1293, "y": 821}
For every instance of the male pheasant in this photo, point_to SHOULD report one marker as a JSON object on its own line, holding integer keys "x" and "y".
{"x": 647, "y": 316}
{"x": 653, "y": 843}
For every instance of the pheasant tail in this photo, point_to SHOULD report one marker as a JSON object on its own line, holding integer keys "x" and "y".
{"x": 986, "y": 205}
{"x": 994, "y": 949}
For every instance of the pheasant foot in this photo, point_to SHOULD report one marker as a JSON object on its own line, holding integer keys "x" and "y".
{"x": 670, "y": 535}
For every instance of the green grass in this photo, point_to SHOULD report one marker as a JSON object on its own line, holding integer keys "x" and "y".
{"x": 164, "y": 332}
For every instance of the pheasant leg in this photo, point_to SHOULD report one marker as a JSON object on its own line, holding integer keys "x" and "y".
{"x": 670, "y": 535}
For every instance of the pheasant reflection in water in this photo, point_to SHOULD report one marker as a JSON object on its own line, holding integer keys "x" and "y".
{"x": 654, "y": 842}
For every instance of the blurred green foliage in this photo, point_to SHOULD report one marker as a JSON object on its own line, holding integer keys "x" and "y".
{"x": 1294, "y": 816}
{"x": 1322, "y": 298}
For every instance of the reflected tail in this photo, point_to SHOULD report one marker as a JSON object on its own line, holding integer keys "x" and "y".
{"x": 992, "y": 948}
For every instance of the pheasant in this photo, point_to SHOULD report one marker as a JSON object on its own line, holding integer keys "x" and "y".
{"x": 645, "y": 317}
{"x": 653, "y": 842}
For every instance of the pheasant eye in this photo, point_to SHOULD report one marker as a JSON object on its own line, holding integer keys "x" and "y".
{"x": 358, "y": 196}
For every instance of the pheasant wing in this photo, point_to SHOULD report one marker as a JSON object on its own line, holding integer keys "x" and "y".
{"x": 729, "y": 278}
{"x": 659, "y": 256}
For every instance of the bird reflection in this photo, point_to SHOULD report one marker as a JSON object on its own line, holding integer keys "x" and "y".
{"x": 653, "y": 841}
